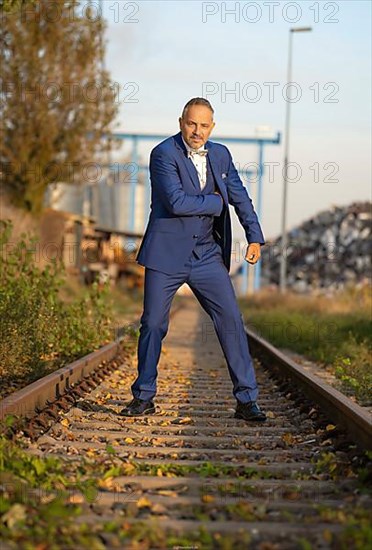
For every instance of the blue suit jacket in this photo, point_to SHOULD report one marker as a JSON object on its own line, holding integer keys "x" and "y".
{"x": 177, "y": 205}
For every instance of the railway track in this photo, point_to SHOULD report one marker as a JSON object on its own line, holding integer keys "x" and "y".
{"x": 194, "y": 476}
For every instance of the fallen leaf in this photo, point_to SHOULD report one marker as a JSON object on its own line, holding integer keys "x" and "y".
{"x": 288, "y": 438}
{"x": 15, "y": 514}
{"x": 292, "y": 496}
{"x": 327, "y": 536}
{"x": 144, "y": 502}
{"x": 76, "y": 499}
{"x": 186, "y": 420}
{"x": 91, "y": 452}
{"x": 167, "y": 493}
{"x": 208, "y": 498}
{"x": 128, "y": 469}
{"x": 106, "y": 484}
{"x": 330, "y": 427}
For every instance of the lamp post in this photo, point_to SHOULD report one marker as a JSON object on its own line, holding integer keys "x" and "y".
{"x": 283, "y": 257}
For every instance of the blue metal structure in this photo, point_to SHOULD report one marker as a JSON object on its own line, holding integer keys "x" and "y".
{"x": 261, "y": 142}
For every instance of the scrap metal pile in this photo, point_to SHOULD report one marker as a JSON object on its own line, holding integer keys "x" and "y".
{"x": 331, "y": 250}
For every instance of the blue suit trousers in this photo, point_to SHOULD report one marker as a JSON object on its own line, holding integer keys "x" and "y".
{"x": 210, "y": 282}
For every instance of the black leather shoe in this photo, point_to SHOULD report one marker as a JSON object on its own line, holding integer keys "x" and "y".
{"x": 137, "y": 407}
{"x": 249, "y": 411}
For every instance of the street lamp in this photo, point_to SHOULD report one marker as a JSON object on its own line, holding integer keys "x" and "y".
{"x": 283, "y": 257}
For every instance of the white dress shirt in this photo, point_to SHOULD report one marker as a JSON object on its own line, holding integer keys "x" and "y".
{"x": 200, "y": 163}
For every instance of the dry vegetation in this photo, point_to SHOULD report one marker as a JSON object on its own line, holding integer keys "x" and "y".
{"x": 333, "y": 330}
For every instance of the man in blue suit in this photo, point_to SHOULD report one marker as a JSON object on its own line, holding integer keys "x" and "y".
{"x": 188, "y": 240}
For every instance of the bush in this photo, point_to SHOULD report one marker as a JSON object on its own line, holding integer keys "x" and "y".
{"x": 353, "y": 368}
{"x": 39, "y": 332}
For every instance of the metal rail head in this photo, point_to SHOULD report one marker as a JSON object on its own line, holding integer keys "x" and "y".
{"x": 36, "y": 396}
{"x": 341, "y": 410}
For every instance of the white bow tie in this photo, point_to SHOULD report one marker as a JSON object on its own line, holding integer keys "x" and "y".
{"x": 202, "y": 153}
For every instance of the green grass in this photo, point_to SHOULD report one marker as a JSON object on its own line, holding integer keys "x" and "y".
{"x": 336, "y": 332}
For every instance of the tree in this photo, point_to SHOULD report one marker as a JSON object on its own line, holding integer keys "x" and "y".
{"x": 56, "y": 99}
{"x": 9, "y": 5}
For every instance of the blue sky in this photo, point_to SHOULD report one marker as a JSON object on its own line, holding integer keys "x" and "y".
{"x": 161, "y": 54}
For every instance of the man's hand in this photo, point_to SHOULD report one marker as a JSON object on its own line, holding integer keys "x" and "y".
{"x": 253, "y": 253}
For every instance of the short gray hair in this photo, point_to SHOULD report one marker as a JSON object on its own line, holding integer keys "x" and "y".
{"x": 197, "y": 101}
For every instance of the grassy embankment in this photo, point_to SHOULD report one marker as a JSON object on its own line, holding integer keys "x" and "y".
{"x": 336, "y": 332}
{"x": 49, "y": 319}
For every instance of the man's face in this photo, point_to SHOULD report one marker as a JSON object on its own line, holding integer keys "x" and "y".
{"x": 196, "y": 125}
